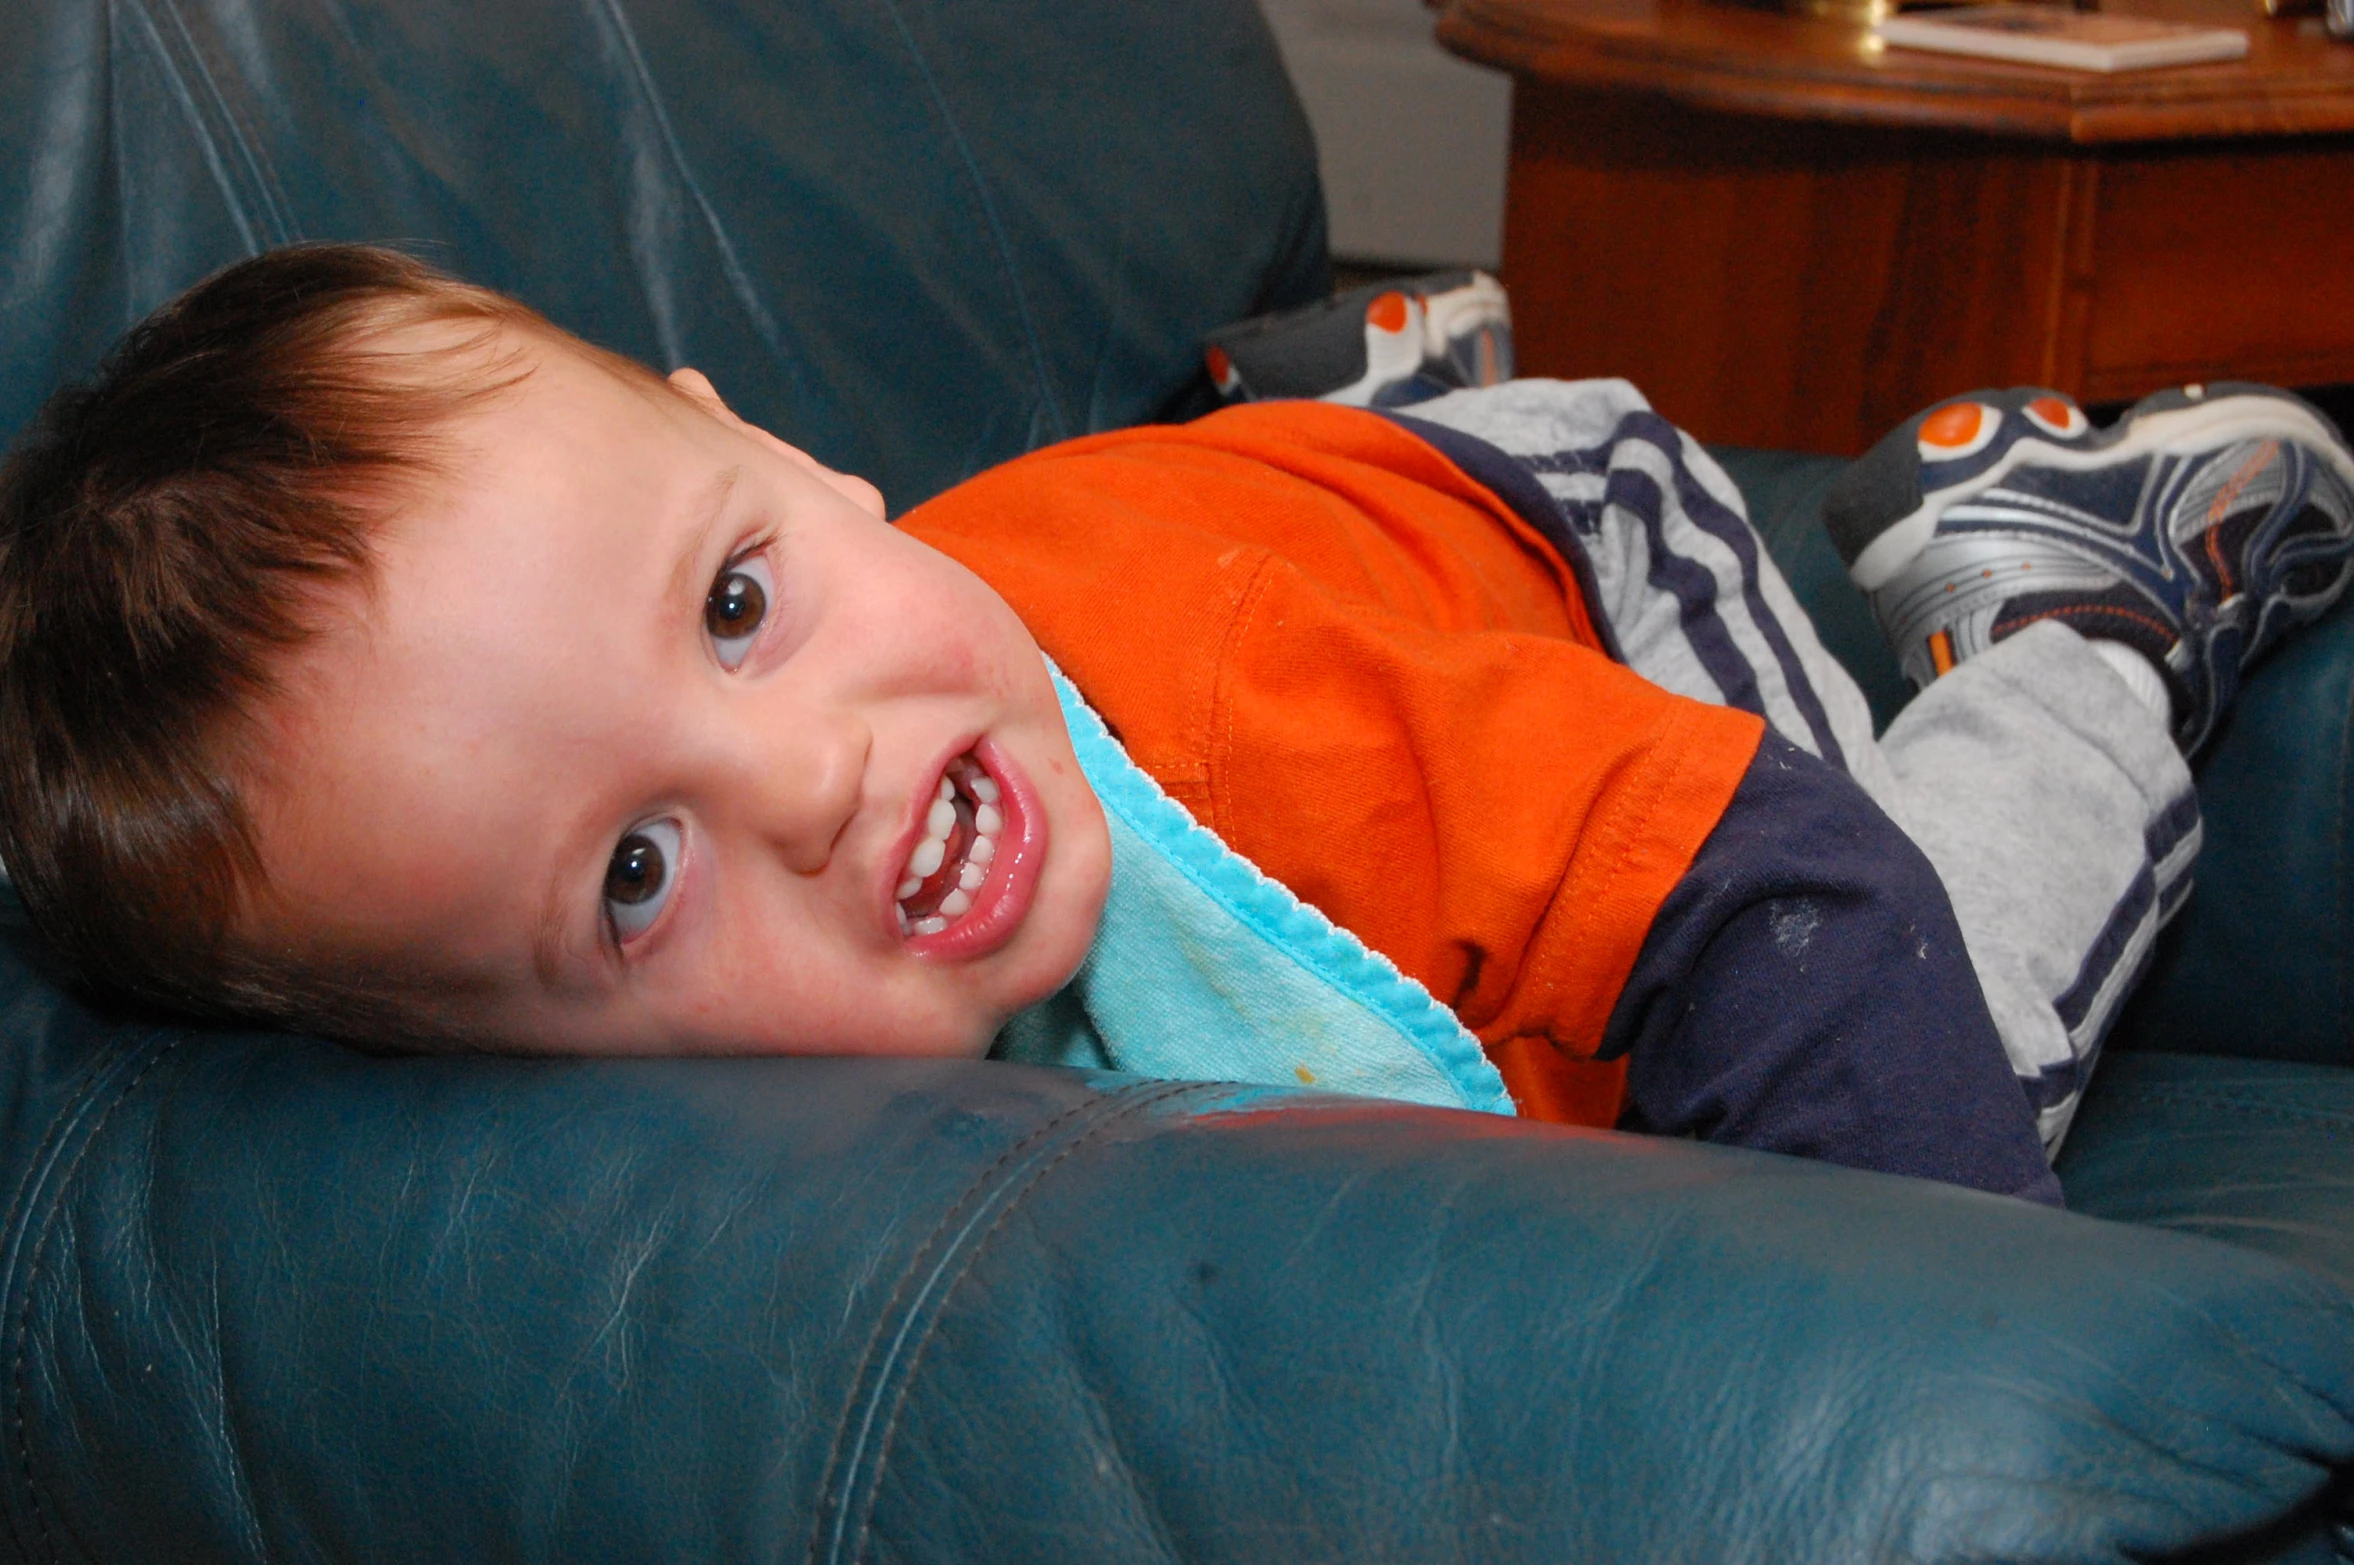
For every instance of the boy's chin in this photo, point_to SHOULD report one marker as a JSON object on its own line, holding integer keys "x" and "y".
{"x": 1044, "y": 975}
{"x": 1084, "y": 902}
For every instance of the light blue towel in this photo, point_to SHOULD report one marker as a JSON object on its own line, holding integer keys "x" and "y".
{"x": 1205, "y": 969}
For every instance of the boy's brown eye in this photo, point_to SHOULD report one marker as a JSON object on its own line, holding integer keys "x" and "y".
{"x": 638, "y": 877}
{"x": 637, "y": 870}
{"x": 734, "y": 609}
{"x": 735, "y": 606}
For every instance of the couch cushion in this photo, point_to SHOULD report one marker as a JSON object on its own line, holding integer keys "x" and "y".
{"x": 2261, "y": 961}
{"x": 839, "y": 211}
{"x": 2259, "y": 1152}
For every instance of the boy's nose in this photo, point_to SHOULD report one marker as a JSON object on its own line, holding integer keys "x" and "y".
{"x": 802, "y": 784}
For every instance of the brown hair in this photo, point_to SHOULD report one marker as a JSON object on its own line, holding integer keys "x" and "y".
{"x": 169, "y": 533}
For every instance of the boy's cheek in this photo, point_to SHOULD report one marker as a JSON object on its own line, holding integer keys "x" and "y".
{"x": 1089, "y": 838}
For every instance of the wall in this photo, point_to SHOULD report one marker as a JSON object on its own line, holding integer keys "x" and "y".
{"x": 1411, "y": 140}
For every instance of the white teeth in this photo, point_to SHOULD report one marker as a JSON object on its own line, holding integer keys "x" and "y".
{"x": 927, "y": 857}
{"x": 902, "y": 912}
{"x": 932, "y": 851}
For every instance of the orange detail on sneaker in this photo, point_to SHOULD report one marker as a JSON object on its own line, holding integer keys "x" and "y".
{"x": 1956, "y": 424}
{"x": 2058, "y": 415}
{"x": 1221, "y": 367}
{"x": 1387, "y": 312}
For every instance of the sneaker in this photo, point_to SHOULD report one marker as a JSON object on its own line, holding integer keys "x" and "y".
{"x": 2197, "y": 529}
{"x": 1382, "y": 346}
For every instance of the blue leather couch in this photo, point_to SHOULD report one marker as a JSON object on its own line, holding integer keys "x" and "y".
{"x": 266, "y": 1300}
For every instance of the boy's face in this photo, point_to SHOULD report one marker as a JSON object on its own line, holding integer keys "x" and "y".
{"x": 632, "y": 742}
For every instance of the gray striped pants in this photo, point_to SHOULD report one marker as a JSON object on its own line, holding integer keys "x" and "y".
{"x": 2052, "y": 802}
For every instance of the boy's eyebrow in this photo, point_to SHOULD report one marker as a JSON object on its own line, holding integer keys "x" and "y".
{"x": 686, "y": 583}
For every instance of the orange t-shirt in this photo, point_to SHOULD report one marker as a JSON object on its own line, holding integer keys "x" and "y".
{"x": 1378, "y": 683}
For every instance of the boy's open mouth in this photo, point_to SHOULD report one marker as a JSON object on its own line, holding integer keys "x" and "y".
{"x": 952, "y": 858}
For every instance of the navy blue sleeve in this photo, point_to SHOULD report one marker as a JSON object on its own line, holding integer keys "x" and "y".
{"x": 1804, "y": 989}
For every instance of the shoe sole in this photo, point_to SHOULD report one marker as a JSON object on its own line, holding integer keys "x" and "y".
{"x": 2169, "y": 419}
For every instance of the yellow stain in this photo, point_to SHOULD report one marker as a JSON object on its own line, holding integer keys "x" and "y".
{"x": 1307, "y": 1077}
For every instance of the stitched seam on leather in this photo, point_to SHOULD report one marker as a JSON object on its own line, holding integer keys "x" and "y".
{"x": 1139, "y": 1100}
{"x": 76, "y": 1095}
{"x": 974, "y": 1189}
{"x": 33, "y": 1262}
{"x": 925, "y": 1264}
{"x": 38, "y": 1178}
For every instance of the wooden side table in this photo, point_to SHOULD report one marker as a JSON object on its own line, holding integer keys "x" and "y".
{"x": 1790, "y": 236}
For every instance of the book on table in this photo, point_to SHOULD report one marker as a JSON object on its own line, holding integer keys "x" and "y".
{"x": 2054, "y": 35}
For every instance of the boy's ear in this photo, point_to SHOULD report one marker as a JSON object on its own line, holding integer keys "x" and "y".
{"x": 698, "y": 385}
{"x": 851, "y": 487}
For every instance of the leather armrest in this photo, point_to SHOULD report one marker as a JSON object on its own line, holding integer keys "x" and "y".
{"x": 270, "y": 1299}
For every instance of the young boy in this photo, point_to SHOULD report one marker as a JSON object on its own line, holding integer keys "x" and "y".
{"x": 377, "y": 659}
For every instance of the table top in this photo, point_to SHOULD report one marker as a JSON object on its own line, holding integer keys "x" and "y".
{"x": 2295, "y": 80}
